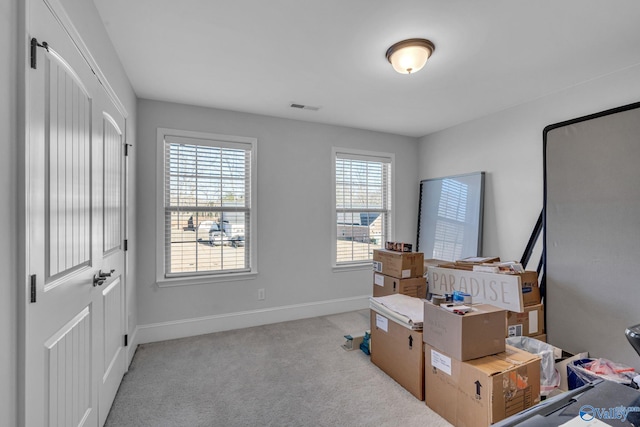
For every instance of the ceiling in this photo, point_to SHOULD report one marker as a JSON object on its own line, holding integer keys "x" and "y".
{"x": 260, "y": 56}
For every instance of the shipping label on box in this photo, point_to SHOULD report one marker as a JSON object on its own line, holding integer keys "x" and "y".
{"x": 477, "y": 333}
{"x": 501, "y": 290}
{"x": 387, "y": 285}
{"x": 402, "y": 265}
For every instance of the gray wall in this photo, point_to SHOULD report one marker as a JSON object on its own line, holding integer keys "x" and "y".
{"x": 294, "y": 212}
{"x": 508, "y": 146}
{"x": 8, "y": 195}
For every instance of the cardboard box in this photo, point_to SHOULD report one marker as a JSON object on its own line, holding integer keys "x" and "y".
{"x": 528, "y": 323}
{"x": 387, "y": 285}
{"x": 482, "y": 391}
{"x": 398, "y": 351}
{"x": 352, "y": 342}
{"x": 402, "y": 265}
{"x": 478, "y": 333}
{"x": 530, "y": 288}
{"x": 561, "y": 367}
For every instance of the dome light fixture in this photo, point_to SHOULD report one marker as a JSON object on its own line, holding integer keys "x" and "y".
{"x": 409, "y": 56}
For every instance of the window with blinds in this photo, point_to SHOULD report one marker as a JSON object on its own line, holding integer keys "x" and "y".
{"x": 207, "y": 206}
{"x": 362, "y": 205}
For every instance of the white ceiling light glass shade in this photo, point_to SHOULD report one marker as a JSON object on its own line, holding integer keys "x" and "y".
{"x": 409, "y": 56}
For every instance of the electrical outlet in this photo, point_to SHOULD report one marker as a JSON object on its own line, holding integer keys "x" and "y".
{"x": 261, "y": 294}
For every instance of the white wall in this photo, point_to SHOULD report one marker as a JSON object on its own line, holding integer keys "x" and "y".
{"x": 508, "y": 146}
{"x": 8, "y": 212}
{"x": 294, "y": 219}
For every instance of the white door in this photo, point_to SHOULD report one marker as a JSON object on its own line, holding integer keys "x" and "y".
{"x": 110, "y": 124}
{"x": 73, "y": 362}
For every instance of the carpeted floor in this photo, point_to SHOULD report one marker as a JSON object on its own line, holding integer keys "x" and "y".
{"x": 286, "y": 374}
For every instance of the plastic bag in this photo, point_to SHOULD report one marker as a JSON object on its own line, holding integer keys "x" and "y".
{"x": 549, "y": 376}
{"x": 577, "y": 376}
{"x": 584, "y": 371}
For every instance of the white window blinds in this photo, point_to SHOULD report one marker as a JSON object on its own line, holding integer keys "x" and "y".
{"x": 363, "y": 205}
{"x": 207, "y": 206}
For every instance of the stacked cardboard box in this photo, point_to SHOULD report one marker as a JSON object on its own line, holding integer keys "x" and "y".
{"x": 530, "y": 321}
{"x": 470, "y": 336}
{"x": 483, "y": 391}
{"x": 471, "y": 378}
{"x": 399, "y": 273}
{"x": 396, "y": 348}
{"x": 387, "y": 285}
{"x": 398, "y": 351}
{"x": 523, "y": 319}
{"x": 402, "y": 265}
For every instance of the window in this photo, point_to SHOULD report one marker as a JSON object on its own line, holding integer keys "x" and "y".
{"x": 363, "y": 182}
{"x": 208, "y": 187}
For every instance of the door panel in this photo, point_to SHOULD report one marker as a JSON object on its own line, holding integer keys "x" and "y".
{"x": 68, "y": 149}
{"x": 112, "y": 188}
{"x": 69, "y": 355}
{"x": 113, "y": 367}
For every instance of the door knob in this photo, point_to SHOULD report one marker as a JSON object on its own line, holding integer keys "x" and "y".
{"x": 98, "y": 280}
{"x": 101, "y": 277}
{"x": 106, "y": 274}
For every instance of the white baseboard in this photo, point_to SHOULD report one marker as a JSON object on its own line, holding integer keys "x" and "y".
{"x": 244, "y": 319}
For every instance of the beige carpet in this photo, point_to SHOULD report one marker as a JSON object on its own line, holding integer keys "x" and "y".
{"x": 286, "y": 374}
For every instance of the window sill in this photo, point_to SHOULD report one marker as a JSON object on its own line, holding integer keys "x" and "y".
{"x": 204, "y": 280}
{"x": 353, "y": 267}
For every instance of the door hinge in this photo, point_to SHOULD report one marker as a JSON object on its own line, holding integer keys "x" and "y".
{"x": 126, "y": 340}
{"x": 126, "y": 149}
{"x": 34, "y": 54}
{"x": 33, "y": 288}
{"x": 125, "y": 245}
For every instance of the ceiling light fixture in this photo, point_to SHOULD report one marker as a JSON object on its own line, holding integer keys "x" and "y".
{"x": 409, "y": 56}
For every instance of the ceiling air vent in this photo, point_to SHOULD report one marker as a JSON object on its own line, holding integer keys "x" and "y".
{"x": 304, "y": 107}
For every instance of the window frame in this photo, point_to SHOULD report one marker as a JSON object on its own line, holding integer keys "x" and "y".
{"x": 190, "y": 279}
{"x": 365, "y": 155}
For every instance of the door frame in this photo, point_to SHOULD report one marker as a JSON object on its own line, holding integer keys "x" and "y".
{"x": 23, "y": 212}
